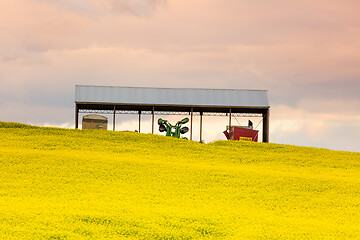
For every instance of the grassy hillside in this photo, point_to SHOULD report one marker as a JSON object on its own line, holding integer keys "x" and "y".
{"x": 73, "y": 184}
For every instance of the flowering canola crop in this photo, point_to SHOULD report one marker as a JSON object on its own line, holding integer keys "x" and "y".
{"x": 73, "y": 184}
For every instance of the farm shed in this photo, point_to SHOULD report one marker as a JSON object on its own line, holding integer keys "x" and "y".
{"x": 173, "y": 101}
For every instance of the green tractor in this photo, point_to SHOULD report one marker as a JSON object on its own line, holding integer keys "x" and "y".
{"x": 174, "y": 131}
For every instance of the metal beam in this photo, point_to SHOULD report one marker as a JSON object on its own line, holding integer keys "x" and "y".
{"x": 229, "y": 120}
{"x": 234, "y": 114}
{"x": 191, "y": 121}
{"x": 201, "y": 114}
{"x": 76, "y": 116}
{"x": 266, "y": 123}
{"x": 139, "y": 120}
{"x": 114, "y": 119}
{"x": 153, "y": 113}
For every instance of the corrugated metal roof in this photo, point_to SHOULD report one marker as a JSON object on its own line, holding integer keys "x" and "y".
{"x": 172, "y": 96}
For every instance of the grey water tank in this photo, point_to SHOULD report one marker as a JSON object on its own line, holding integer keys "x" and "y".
{"x": 94, "y": 121}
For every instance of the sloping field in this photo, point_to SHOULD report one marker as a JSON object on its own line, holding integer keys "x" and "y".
{"x": 73, "y": 184}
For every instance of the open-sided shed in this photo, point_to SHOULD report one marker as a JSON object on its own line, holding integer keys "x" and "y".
{"x": 168, "y": 101}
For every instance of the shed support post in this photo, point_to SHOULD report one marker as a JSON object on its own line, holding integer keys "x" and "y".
{"x": 191, "y": 121}
{"x": 153, "y": 113}
{"x": 139, "y": 120}
{"x": 229, "y": 120}
{"x": 76, "y": 116}
{"x": 201, "y": 114}
{"x": 266, "y": 123}
{"x": 114, "y": 119}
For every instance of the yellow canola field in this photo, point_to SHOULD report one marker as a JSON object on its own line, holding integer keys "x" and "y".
{"x": 72, "y": 184}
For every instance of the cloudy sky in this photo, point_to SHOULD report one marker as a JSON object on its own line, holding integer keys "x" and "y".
{"x": 305, "y": 52}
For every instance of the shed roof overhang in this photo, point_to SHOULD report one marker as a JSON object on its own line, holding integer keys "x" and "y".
{"x": 171, "y": 99}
